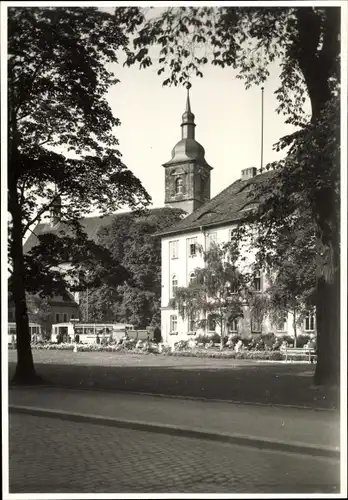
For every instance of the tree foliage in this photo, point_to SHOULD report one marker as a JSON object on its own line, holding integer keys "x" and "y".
{"x": 39, "y": 310}
{"x": 305, "y": 42}
{"x": 219, "y": 290}
{"x": 61, "y": 131}
{"x": 132, "y": 242}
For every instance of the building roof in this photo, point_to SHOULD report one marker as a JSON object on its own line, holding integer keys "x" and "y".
{"x": 224, "y": 208}
{"x": 90, "y": 225}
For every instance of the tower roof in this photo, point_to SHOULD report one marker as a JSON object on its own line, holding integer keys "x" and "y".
{"x": 188, "y": 117}
{"x": 188, "y": 149}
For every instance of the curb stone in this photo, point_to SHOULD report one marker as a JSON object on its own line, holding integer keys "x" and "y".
{"x": 236, "y": 439}
{"x": 177, "y": 396}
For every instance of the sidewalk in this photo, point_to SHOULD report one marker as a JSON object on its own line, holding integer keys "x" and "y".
{"x": 289, "y": 429}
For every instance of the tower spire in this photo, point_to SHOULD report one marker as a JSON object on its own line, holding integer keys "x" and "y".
{"x": 188, "y": 104}
{"x": 188, "y": 118}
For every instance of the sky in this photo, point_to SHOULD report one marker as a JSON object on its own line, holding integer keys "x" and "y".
{"x": 227, "y": 116}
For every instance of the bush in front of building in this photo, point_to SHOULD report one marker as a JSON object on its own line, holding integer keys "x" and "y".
{"x": 229, "y": 354}
{"x": 302, "y": 340}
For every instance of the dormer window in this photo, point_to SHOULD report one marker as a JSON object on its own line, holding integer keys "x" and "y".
{"x": 179, "y": 188}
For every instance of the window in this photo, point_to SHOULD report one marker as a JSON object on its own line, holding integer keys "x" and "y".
{"x": 191, "y": 324}
{"x": 212, "y": 238}
{"x": 192, "y": 246}
{"x": 57, "y": 317}
{"x": 65, "y": 316}
{"x": 174, "y": 285}
{"x": 309, "y": 322}
{"x": 257, "y": 282}
{"x": 173, "y": 323}
{"x": 281, "y": 323}
{"x": 179, "y": 188}
{"x": 256, "y": 324}
{"x": 173, "y": 249}
{"x": 211, "y": 324}
{"x": 233, "y": 233}
{"x": 192, "y": 277}
{"x": 254, "y": 233}
{"x": 233, "y": 325}
{"x": 233, "y": 287}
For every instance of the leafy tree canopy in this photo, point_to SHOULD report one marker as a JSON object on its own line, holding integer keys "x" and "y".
{"x": 305, "y": 42}
{"x": 218, "y": 291}
{"x": 131, "y": 241}
{"x": 61, "y": 131}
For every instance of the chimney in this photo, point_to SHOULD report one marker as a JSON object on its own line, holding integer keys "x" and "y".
{"x": 248, "y": 173}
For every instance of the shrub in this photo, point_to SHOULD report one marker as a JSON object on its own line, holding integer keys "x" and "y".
{"x": 215, "y": 338}
{"x": 129, "y": 344}
{"x": 202, "y": 339}
{"x": 181, "y": 345}
{"x": 302, "y": 340}
{"x": 286, "y": 338}
{"x": 269, "y": 339}
{"x": 165, "y": 349}
{"x": 229, "y": 354}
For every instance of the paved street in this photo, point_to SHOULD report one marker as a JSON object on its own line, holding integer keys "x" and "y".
{"x": 287, "y": 425}
{"x": 53, "y": 456}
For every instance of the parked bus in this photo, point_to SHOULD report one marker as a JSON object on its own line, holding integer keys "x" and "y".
{"x": 34, "y": 330}
{"x": 86, "y": 333}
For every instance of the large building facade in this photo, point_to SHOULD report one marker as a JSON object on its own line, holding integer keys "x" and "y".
{"x": 187, "y": 184}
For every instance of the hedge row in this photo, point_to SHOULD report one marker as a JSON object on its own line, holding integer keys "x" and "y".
{"x": 166, "y": 351}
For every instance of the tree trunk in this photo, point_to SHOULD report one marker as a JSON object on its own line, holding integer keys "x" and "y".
{"x": 317, "y": 69}
{"x": 25, "y": 371}
{"x": 221, "y": 334}
{"x": 295, "y": 329}
{"x": 328, "y": 330}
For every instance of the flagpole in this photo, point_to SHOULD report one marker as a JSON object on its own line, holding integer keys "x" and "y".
{"x": 261, "y": 166}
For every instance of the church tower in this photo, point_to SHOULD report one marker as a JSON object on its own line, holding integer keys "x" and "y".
{"x": 187, "y": 174}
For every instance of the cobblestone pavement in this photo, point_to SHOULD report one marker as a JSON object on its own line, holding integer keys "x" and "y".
{"x": 54, "y": 456}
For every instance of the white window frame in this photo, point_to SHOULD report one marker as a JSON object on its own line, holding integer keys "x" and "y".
{"x": 173, "y": 321}
{"x": 179, "y": 183}
{"x": 258, "y": 278}
{"x": 256, "y": 324}
{"x": 212, "y": 238}
{"x": 232, "y": 324}
{"x": 254, "y": 231}
{"x": 310, "y": 317}
{"x": 192, "y": 244}
{"x": 191, "y": 327}
{"x": 191, "y": 277}
{"x": 208, "y": 325}
{"x": 230, "y": 232}
{"x": 174, "y": 249}
{"x": 284, "y": 323}
{"x": 174, "y": 279}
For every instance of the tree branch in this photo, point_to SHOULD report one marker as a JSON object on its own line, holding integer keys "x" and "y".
{"x": 40, "y": 213}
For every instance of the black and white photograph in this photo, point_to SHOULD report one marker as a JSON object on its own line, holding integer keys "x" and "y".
{"x": 174, "y": 280}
